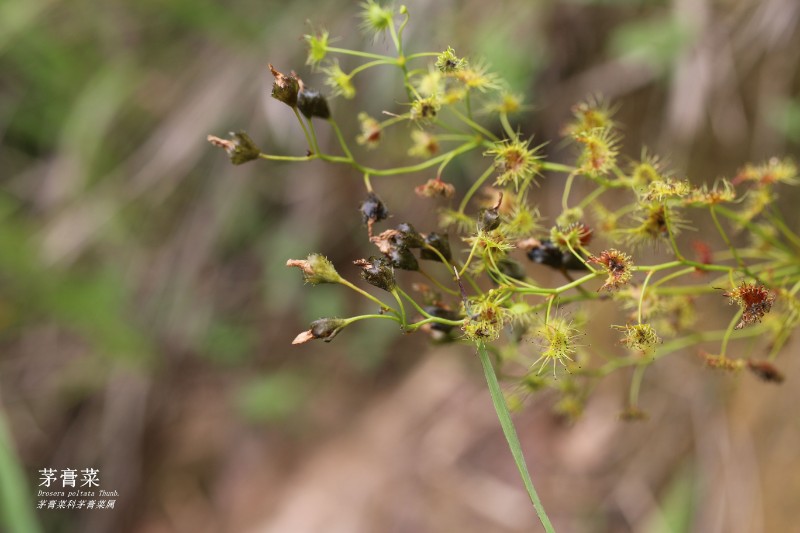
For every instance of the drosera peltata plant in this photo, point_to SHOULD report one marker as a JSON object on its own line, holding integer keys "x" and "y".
{"x": 481, "y": 293}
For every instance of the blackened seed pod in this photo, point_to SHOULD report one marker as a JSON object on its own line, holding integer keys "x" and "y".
{"x": 377, "y": 271}
{"x": 373, "y": 209}
{"x": 511, "y": 268}
{"x": 545, "y": 253}
{"x": 312, "y": 104}
{"x": 570, "y": 262}
{"x": 327, "y": 328}
{"x": 402, "y": 258}
{"x": 488, "y": 219}
{"x": 409, "y": 236}
{"x": 765, "y": 371}
{"x": 440, "y": 243}
{"x": 548, "y": 254}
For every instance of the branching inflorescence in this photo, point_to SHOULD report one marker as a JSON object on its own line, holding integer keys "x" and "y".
{"x": 482, "y": 292}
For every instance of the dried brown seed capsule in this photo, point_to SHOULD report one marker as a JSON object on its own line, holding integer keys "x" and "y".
{"x": 395, "y": 244}
{"x": 488, "y": 219}
{"x": 435, "y": 187}
{"x": 285, "y": 88}
{"x": 721, "y": 362}
{"x": 440, "y": 243}
{"x": 377, "y": 271}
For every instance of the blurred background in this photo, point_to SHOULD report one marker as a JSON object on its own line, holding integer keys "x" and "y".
{"x": 146, "y": 315}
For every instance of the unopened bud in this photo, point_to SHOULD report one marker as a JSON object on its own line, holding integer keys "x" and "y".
{"x": 241, "y": 148}
{"x": 324, "y": 328}
{"x": 316, "y": 269}
{"x": 488, "y": 219}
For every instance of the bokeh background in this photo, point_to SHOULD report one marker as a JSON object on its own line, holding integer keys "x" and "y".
{"x": 146, "y": 314}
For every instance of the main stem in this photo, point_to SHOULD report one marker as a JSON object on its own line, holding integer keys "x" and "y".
{"x": 511, "y": 434}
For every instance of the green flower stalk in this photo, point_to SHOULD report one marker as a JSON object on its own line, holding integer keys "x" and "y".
{"x": 477, "y": 288}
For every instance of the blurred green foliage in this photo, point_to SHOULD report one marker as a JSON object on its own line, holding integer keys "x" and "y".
{"x": 273, "y": 397}
{"x": 677, "y": 506}
{"x": 16, "y": 509}
{"x": 785, "y": 116}
{"x": 656, "y": 42}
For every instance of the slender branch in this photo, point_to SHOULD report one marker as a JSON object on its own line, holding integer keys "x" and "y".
{"x": 510, "y": 433}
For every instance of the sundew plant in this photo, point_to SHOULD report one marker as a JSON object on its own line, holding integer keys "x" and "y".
{"x": 474, "y": 286}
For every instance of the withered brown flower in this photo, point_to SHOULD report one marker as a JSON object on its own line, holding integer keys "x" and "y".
{"x": 755, "y": 301}
{"x": 617, "y": 265}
